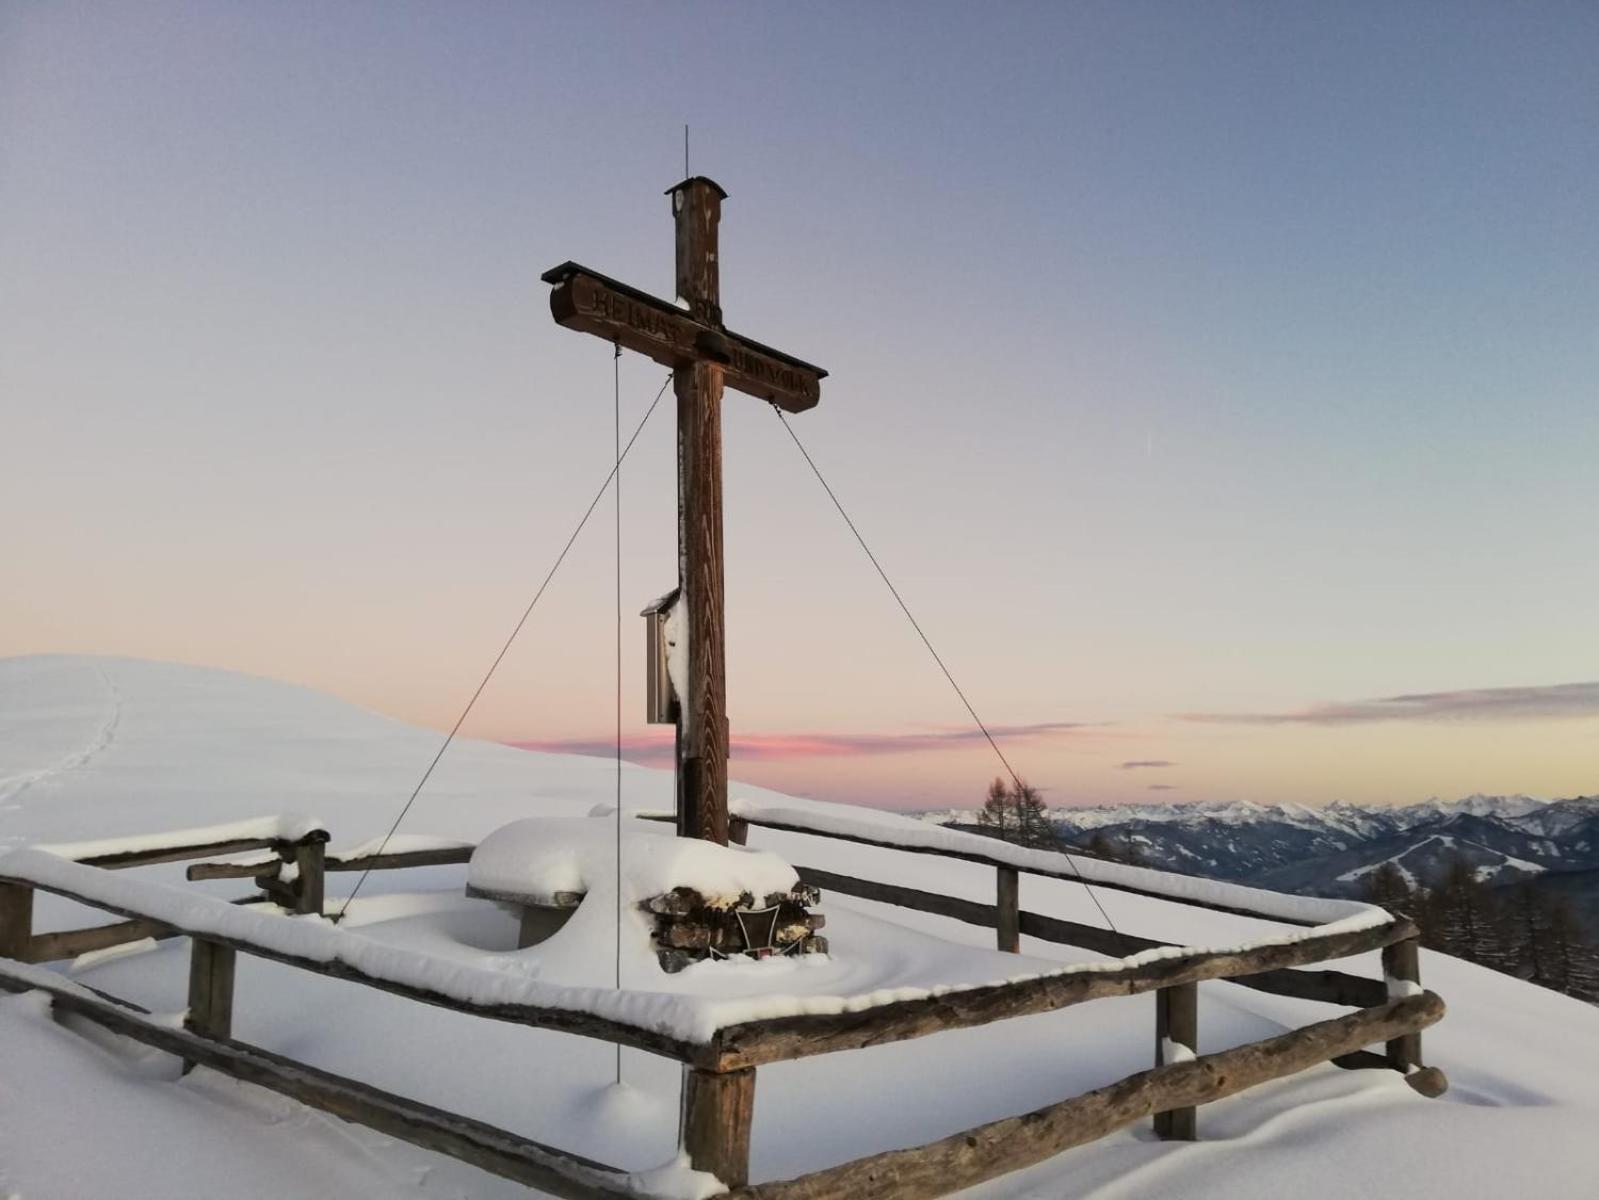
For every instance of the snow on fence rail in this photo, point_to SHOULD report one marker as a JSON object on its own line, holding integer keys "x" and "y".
{"x": 851, "y": 825}
{"x": 722, "y": 1042}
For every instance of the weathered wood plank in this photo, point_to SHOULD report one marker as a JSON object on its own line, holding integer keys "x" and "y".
{"x": 1329, "y": 987}
{"x": 969, "y": 911}
{"x": 801, "y": 1036}
{"x": 783, "y": 1038}
{"x": 249, "y": 869}
{"x": 178, "y": 853}
{"x": 16, "y": 920}
{"x": 703, "y": 712}
{"x": 718, "y": 1110}
{"x": 1332, "y": 987}
{"x": 1176, "y": 1040}
{"x": 54, "y": 947}
{"x": 447, "y": 856}
{"x": 1007, "y": 905}
{"x": 308, "y": 878}
{"x": 987, "y": 860}
{"x": 589, "y": 302}
{"x": 484, "y": 1146}
{"x": 564, "y": 1020}
{"x": 976, "y": 1155}
{"x": 210, "y": 988}
{"x": 444, "y": 856}
{"x": 210, "y": 1012}
{"x": 1401, "y": 968}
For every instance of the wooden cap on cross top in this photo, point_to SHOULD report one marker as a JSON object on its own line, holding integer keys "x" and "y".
{"x": 692, "y": 180}
{"x": 697, "y": 209}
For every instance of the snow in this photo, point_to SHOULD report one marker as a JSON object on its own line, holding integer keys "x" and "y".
{"x": 1175, "y": 1052}
{"x": 286, "y": 828}
{"x": 675, "y": 631}
{"x": 539, "y": 858}
{"x": 1402, "y": 989}
{"x": 86, "y": 1115}
{"x": 399, "y": 843}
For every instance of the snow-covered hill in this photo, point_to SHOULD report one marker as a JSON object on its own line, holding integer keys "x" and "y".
{"x": 94, "y": 747}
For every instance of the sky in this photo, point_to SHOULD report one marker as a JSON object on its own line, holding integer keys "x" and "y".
{"x": 1216, "y": 382}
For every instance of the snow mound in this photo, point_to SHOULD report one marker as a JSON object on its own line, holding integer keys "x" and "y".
{"x": 539, "y": 858}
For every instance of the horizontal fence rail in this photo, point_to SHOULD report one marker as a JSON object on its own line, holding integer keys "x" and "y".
{"x": 981, "y": 1153}
{"x": 494, "y": 1150}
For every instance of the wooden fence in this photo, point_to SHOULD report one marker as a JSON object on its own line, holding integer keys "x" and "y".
{"x": 719, "y": 1090}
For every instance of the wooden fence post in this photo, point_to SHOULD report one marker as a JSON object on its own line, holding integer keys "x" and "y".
{"x": 1007, "y": 904}
{"x": 310, "y": 861}
{"x": 16, "y": 921}
{"x": 1401, "y": 969}
{"x": 738, "y": 831}
{"x": 210, "y": 990}
{"x": 1176, "y": 1039}
{"x": 718, "y": 1108}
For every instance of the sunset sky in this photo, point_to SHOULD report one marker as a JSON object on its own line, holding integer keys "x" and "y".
{"x": 1218, "y": 383}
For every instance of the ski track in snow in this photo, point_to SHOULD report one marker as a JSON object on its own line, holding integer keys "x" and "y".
{"x": 16, "y": 785}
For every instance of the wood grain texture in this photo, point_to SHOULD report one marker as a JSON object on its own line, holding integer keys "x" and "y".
{"x": 784, "y": 1038}
{"x": 1064, "y": 872}
{"x": 16, "y": 921}
{"x": 1401, "y": 962}
{"x": 588, "y": 302}
{"x": 210, "y": 1012}
{"x": 1176, "y": 1021}
{"x": 55, "y": 947}
{"x": 718, "y": 1110}
{"x": 801, "y": 1036}
{"x": 308, "y": 880}
{"x": 976, "y": 1155}
{"x": 444, "y": 857}
{"x": 697, "y": 217}
{"x": 970, "y": 911}
{"x": 211, "y": 967}
{"x": 704, "y": 707}
{"x": 178, "y": 853}
{"x": 495, "y": 1150}
{"x": 565, "y": 1020}
{"x": 1007, "y": 907}
{"x": 1332, "y": 987}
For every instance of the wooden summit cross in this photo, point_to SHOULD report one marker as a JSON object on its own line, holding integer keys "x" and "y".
{"x": 704, "y": 356}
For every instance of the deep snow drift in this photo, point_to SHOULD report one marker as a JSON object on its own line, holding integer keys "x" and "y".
{"x": 93, "y": 748}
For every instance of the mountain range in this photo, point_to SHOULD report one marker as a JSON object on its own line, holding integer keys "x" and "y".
{"x": 1332, "y": 850}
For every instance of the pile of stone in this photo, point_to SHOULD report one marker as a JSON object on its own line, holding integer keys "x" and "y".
{"x": 688, "y": 928}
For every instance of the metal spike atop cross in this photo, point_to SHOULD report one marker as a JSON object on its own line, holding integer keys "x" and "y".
{"x": 704, "y": 356}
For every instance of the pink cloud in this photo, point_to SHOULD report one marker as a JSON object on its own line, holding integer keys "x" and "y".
{"x": 656, "y": 748}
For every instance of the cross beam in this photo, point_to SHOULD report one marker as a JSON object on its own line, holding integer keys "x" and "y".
{"x": 704, "y": 356}
{"x": 587, "y": 301}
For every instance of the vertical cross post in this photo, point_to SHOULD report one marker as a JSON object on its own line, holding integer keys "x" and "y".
{"x": 1176, "y": 1038}
{"x": 702, "y": 715}
{"x": 718, "y": 1108}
